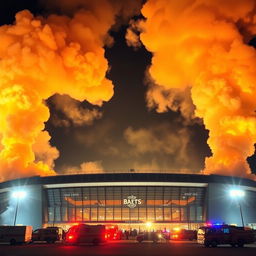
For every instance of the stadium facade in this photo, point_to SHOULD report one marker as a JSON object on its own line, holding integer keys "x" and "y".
{"x": 129, "y": 200}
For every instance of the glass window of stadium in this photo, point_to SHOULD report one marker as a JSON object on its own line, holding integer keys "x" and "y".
{"x": 125, "y": 205}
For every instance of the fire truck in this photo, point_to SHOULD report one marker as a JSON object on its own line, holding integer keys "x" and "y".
{"x": 212, "y": 236}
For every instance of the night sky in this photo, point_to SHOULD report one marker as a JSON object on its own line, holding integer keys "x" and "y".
{"x": 107, "y": 141}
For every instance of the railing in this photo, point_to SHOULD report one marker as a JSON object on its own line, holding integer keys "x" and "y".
{"x": 173, "y": 171}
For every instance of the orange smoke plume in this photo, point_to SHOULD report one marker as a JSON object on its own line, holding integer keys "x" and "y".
{"x": 203, "y": 45}
{"x": 38, "y": 58}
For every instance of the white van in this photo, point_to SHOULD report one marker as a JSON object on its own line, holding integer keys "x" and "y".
{"x": 83, "y": 233}
{"x": 15, "y": 234}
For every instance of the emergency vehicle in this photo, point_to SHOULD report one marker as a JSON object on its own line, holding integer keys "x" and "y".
{"x": 15, "y": 234}
{"x": 212, "y": 236}
{"x": 184, "y": 234}
{"x": 83, "y": 233}
{"x": 112, "y": 233}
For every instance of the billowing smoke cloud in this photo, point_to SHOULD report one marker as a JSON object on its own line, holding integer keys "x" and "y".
{"x": 122, "y": 9}
{"x": 160, "y": 139}
{"x": 38, "y": 58}
{"x": 43, "y": 151}
{"x": 73, "y": 112}
{"x": 132, "y": 34}
{"x": 87, "y": 167}
{"x": 204, "y": 45}
{"x": 43, "y": 56}
{"x": 176, "y": 100}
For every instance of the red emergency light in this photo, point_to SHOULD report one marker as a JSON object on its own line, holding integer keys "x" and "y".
{"x": 70, "y": 237}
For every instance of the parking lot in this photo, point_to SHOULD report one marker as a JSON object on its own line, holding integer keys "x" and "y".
{"x": 125, "y": 248}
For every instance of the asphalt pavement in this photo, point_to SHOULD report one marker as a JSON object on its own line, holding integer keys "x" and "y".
{"x": 126, "y": 248}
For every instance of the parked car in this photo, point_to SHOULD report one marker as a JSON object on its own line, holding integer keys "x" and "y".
{"x": 49, "y": 235}
{"x": 149, "y": 236}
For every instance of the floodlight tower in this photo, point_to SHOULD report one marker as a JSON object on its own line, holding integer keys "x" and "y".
{"x": 238, "y": 194}
{"x": 18, "y": 195}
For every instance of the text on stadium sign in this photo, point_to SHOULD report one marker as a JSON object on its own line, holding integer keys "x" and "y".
{"x": 132, "y": 201}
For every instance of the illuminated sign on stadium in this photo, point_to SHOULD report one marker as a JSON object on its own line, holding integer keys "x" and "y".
{"x": 132, "y": 201}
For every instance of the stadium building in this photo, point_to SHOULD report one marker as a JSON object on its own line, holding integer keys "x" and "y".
{"x": 129, "y": 200}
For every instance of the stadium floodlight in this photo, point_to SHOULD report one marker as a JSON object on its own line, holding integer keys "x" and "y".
{"x": 18, "y": 194}
{"x": 238, "y": 194}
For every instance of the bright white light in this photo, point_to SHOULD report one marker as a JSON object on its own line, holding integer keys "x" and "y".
{"x": 149, "y": 224}
{"x": 236, "y": 193}
{"x": 19, "y": 194}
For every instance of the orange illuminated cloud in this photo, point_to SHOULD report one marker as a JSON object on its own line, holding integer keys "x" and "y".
{"x": 202, "y": 45}
{"x": 38, "y": 58}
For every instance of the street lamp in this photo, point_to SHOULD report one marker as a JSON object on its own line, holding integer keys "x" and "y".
{"x": 237, "y": 194}
{"x": 17, "y": 195}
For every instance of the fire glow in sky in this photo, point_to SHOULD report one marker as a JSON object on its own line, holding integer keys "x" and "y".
{"x": 202, "y": 67}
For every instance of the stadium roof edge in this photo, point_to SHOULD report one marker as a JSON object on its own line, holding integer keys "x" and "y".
{"x": 128, "y": 177}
